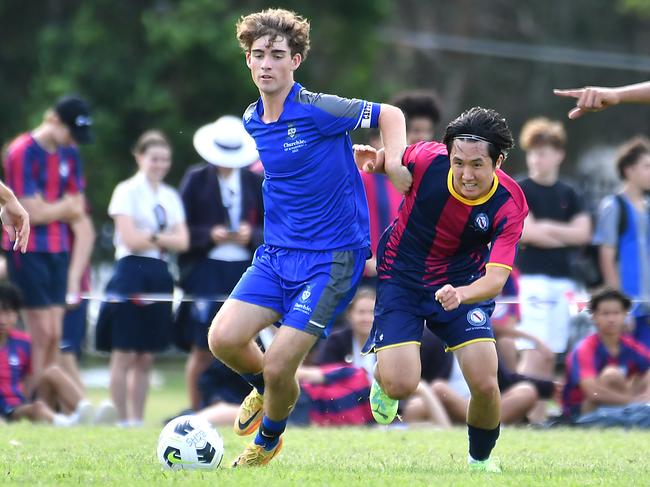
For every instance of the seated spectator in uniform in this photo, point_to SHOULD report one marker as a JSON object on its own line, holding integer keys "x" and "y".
{"x": 344, "y": 346}
{"x": 607, "y": 368}
{"x": 519, "y": 396}
{"x": 55, "y": 391}
{"x": 622, "y": 233}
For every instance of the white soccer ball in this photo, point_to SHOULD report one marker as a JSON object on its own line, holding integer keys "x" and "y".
{"x": 189, "y": 443}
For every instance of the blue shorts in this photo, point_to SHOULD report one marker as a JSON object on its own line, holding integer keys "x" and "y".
{"x": 308, "y": 289}
{"x": 42, "y": 277}
{"x": 74, "y": 329}
{"x": 400, "y": 314}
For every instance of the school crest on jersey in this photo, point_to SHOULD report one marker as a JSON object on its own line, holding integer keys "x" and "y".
{"x": 476, "y": 317}
{"x": 291, "y": 130}
{"x": 64, "y": 168}
{"x": 14, "y": 361}
{"x": 482, "y": 222}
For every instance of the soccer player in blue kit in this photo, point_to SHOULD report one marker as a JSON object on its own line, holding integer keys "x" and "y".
{"x": 442, "y": 262}
{"x": 316, "y": 235}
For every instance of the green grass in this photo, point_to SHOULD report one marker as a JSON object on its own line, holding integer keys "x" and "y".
{"x": 43, "y": 455}
{"x": 40, "y": 455}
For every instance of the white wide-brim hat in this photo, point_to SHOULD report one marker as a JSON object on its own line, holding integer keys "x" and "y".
{"x": 226, "y": 143}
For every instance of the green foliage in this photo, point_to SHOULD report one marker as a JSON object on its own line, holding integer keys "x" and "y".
{"x": 641, "y": 7}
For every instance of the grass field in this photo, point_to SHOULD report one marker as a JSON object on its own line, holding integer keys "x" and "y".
{"x": 42, "y": 455}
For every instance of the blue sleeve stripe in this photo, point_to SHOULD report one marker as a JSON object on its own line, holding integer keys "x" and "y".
{"x": 361, "y": 112}
{"x": 374, "y": 117}
{"x": 369, "y": 116}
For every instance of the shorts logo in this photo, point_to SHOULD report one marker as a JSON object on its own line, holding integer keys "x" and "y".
{"x": 306, "y": 294}
{"x": 482, "y": 222}
{"x": 64, "y": 169}
{"x": 304, "y": 300}
{"x": 476, "y": 317}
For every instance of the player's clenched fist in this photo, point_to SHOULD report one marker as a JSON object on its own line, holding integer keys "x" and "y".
{"x": 449, "y": 297}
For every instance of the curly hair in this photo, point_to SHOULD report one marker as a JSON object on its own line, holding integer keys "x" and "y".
{"x": 484, "y": 123}
{"x": 278, "y": 24}
{"x": 542, "y": 131}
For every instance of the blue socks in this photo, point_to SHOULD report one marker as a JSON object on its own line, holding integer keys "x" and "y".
{"x": 481, "y": 442}
{"x": 269, "y": 433}
{"x": 256, "y": 380}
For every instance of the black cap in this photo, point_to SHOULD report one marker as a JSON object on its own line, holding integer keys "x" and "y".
{"x": 75, "y": 114}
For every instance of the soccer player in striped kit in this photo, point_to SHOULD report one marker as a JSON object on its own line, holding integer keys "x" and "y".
{"x": 442, "y": 262}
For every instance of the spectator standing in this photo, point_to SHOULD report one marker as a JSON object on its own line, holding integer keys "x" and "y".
{"x": 75, "y": 318}
{"x": 556, "y": 225}
{"x": 43, "y": 168}
{"x": 623, "y": 232}
{"x": 149, "y": 223}
{"x": 224, "y": 211}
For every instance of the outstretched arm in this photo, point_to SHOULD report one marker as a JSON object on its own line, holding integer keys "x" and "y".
{"x": 596, "y": 98}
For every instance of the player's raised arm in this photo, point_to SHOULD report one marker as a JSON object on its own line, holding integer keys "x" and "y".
{"x": 595, "y": 98}
{"x": 392, "y": 126}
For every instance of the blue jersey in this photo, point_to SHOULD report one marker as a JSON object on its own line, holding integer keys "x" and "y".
{"x": 313, "y": 193}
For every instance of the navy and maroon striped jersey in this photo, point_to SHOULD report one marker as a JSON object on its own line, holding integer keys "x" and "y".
{"x": 15, "y": 366}
{"x": 440, "y": 237}
{"x": 29, "y": 171}
{"x": 588, "y": 359}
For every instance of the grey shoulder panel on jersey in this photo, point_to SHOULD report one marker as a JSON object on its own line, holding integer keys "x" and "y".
{"x": 332, "y": 104}
{"x": 248, "y": 113}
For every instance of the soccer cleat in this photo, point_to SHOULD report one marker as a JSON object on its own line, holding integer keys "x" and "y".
{"x": 250, "y": 414}
{"x": 384, "y": 408}
{"x": 256, "y": 455}
{"x": 490, "y": 465}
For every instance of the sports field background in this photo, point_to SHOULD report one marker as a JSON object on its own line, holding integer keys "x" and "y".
{"x": 43, "y": 455}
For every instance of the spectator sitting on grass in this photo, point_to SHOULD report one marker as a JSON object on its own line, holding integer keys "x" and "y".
{"x": 54, "y": 390}
{"x": 607, "y": 368}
